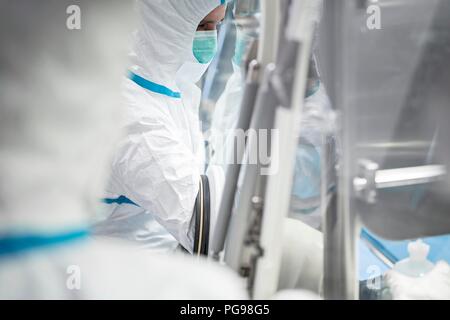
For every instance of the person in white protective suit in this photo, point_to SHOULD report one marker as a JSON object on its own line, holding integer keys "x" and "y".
{"x": 156, "y": 179}
{"x": 59, "y": 109}
{"x": 315, "y": 134}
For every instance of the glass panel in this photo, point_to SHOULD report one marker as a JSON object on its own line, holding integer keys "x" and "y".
{"x": 397, "y": 96}
{"x": 223, "y": 85}
{"x": 390, "y": 84}
{"x": 314, "y": 172}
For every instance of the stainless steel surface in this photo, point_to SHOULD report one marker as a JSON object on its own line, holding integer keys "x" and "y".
{"x": 339, "y": 221}
{"x": 239, "y": 251}
{"x": 288, "y": 83}
{"x": 233, "y": 170}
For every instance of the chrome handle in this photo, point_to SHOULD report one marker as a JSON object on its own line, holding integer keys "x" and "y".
{"x": 370, "y": 178}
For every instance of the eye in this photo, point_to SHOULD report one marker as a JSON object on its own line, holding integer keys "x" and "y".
{"x": 209, "y": 25}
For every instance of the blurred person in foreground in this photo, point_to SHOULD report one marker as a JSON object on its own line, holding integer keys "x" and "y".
{"x": 59, "y": 106}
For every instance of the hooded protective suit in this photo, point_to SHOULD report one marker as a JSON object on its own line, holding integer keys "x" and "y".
{"x": 157, "y": 166}
{"x": 58, "y": 122}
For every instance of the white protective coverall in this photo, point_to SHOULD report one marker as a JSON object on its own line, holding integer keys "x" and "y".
{"x": 158, "y": 164}
{"x": 59, "y": 108}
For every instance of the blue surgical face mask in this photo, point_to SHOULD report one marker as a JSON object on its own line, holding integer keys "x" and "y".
{"x": 205, "y": 46}
{"x": 243, "y": 42}
{"x": 307, "y": 172}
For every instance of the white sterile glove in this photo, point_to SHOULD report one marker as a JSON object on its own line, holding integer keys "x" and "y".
{"x": 434, "y": 285}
